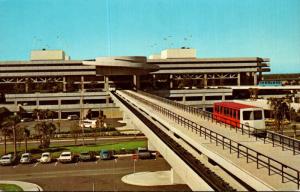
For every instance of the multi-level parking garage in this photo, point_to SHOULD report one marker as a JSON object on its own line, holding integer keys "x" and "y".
{"x": 50, "y": 79}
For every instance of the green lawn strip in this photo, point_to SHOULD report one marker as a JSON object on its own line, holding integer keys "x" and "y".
{"x": 128, "y": 145}
{"x": 10, "y": 187}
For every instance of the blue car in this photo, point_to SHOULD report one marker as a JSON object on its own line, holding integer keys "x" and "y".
{"x": 106, "y": 154}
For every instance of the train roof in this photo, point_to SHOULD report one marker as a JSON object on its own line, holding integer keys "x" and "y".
{"x": 234, "y": 105}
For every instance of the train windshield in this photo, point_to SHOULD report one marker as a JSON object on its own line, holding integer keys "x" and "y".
{"x": 252, "y": 115}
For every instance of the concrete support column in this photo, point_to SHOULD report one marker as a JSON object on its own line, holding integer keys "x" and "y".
{"x": 107, "y": 100}
{"x": 254, "y": 78}
{"x": 205, "y": 80}
{"x": 82, "y": 82}
{"x": 239, "y": 79}
{"x": 136, "y": 82}
{"x": 64, "y": 84}
{"x": 175, "y": 178}
{"x": 171, "y": 81}
{"x": 106, "y": 83}
{"x": 183, "y": 99}
{"x": 154, "y": 81}
{"x": 26, "y": 85}
{"x": 203, "y": 102}
{"x": 59, "y": 109}
{"x": 223, "y": 97}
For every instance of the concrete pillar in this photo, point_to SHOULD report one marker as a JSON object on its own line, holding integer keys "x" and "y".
{"x": 205, "y": 80}
{"x": 106, "y": 83}
{"x": 154, "y": 81}
{"x": 64, "y": 84}
{"x": 183, "y": 99}
{"x": 223, "y": 97}
{"x": 82, "y": 82}
{"x": 136, "y": 82}
{"x": 239, "y": 79}
{"x": 107, "y": 100}
{"x": 175, "y": 178}
{"x": 203, "y": 102}
{"x": 171, "y": 81}
{"x": 254, "y": 78}
{"x": 26, "y": 85}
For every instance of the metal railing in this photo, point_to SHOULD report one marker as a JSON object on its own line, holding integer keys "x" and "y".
{"x": 276, "y": 139}
{"x": 286, "y": 172}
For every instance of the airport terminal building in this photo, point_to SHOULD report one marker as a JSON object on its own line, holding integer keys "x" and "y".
{"x": 51, "y": 80}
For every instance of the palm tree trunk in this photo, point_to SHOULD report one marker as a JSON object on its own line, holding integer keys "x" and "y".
{"x": 15, "y": 141}
{"x": 4, "y": 143}
{"x": 25, "y": 144}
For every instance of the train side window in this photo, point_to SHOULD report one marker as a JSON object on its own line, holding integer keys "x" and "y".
{"x": 234, "y": 113}
{"x": 247, "y": 115}
{"x": 257, "y": 115}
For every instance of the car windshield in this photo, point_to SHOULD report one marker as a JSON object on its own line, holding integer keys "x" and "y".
{"x": 84, "y": 153}
{"x": 5, "y": 158}
{"x": 25, "y": 156}
{"x": 45, "y": 155}
{"x": 143, "y": 150}
{"x": 65, "y": 155}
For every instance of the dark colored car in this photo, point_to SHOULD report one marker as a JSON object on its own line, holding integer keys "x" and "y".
{"x": 106, "y": 154}
{"x": 87, "y": 156}
{"x": 143, "y": 153}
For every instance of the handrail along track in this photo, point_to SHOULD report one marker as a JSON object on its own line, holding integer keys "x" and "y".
{"x": 284, "y": 141}
{"x": 271, "y": 164}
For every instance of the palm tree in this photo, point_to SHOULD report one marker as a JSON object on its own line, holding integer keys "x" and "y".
{"x": 5, "y": 131}
{"x": 11, "y": 123}
{"x": 75, "y": 131}
{"x": 280, "y": 109}
{"x": 45, "y": 131}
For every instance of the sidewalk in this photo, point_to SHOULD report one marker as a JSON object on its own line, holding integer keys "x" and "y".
{"x": 24, "y": 185}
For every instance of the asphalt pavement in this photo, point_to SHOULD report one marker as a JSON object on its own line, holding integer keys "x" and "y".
{"x": 100, "y": 175}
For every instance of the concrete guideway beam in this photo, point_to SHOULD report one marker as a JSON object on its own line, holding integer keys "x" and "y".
{"x": 192, "y": 179}
{"x": 249, "y": 178}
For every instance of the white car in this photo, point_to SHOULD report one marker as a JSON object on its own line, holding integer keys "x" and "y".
{"x": 45, "y": 158}
{"x": 66, "y": 157}
{"x": 87, "y": 123}
{"x": 26, "y": 158}
{"x": 6, "y": 159}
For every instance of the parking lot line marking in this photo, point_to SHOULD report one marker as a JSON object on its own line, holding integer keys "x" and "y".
{"x": 96, "y": 162}
{"x": 36, "y": 164}
{"x": 15, "y": 166}
{"x": 55, "y": 164}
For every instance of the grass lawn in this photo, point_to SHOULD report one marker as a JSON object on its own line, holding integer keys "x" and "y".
{"x": 57, "y": 148}
{"x": 10, "y": 187}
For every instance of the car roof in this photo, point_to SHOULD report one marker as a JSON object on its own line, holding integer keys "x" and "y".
{"x": 8, "y": 155}
{"x": 26, "y": 154}
{"x": 46, "y": 153}
{"x": 66, "y": 152}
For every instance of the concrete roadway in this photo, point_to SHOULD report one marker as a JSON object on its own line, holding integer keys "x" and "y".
{"x": 86, "y": 176}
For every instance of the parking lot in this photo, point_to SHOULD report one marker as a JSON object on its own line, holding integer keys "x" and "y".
{"x": 99, "y": 175}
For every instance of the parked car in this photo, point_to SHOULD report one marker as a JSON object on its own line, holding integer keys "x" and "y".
{"x": 26, "y": 158}
{"x": 87, "y": 156}
{"x": 45, "y": 158}
{"x": 106, "y": 154}
{"x": 26, "y": 119}
{"x": 73, "y": 117}
{"x": 7, "y": 160}
{"x": 87, "y": 123}
{"x": 66, "y": 157}
{"x": 143, "y": 153}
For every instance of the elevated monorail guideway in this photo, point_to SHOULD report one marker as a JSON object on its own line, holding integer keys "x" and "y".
{"x": 198, "y": 172}
{"x": 262, "y": 165}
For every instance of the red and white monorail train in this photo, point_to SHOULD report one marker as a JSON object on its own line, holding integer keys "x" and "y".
{"x": 236, "y": 114}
